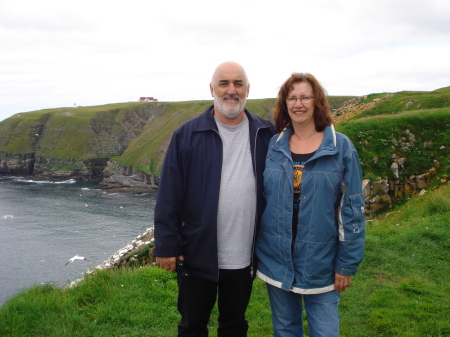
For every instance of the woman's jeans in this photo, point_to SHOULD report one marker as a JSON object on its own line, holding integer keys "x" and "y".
{"x": 287, "y": 313}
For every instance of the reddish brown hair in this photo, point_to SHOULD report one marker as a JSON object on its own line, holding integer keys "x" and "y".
{"x": 322, "y": 111}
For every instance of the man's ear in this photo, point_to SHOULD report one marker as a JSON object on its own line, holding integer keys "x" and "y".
{"x": 211, "y": 89}
{"x": 248, "y": 89}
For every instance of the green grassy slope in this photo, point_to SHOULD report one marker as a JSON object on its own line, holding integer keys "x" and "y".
{"x": 146, "y": 152}
{"x": 19, "y": 133}
{"x": 65, "y": 132}
{"x": 419, "y": 136}
{"x": 408, "y": 101}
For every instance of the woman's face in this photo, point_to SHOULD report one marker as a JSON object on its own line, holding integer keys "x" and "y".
{"x": 300, "y": 104}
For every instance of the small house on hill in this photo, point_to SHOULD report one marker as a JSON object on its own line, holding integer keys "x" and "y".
{"x": 147, "y": 99}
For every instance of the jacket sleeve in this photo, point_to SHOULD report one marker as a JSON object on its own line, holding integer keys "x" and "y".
{"x": 351, "y": 215}
{"x": 169, "y": 204}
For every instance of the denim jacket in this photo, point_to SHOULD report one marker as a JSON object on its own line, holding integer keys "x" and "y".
{"x": 331, "y": 222}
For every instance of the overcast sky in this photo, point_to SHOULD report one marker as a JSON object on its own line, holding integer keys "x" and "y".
{"x": 58, "y": 53}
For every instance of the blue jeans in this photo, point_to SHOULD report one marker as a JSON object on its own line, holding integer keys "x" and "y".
{"x": 287, "y": 313}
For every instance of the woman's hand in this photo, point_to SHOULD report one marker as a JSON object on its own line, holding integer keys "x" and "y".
{"x": 341, "y": 282}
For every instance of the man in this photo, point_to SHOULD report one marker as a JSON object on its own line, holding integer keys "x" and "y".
{"x": 209, "y": 205}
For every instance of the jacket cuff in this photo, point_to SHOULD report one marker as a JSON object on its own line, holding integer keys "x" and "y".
{"x": 345, "y": 271}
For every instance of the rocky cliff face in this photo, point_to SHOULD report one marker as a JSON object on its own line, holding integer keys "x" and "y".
{"x": 380, "y": 194}
{"x": 353, "y": 107}
{"x": 62, "y": 169}
{"x": 51, "y": 168}
{"x": 116, "y": 176}
{"x": 60, "y": 145}
{"x": 17, "y": 164}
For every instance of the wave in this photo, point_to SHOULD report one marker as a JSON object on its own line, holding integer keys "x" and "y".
{"x": 23, "y": 180}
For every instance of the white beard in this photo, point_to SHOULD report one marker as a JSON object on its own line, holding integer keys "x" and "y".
{"x": 229, "y": 112}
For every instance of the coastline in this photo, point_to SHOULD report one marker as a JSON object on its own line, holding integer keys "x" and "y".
{"x": 142, "y": 241}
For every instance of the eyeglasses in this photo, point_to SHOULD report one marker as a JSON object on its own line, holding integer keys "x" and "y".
{"x": 293, "y": 100}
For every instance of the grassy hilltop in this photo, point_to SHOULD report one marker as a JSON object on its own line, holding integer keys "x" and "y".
{"x": 75, "y": 133}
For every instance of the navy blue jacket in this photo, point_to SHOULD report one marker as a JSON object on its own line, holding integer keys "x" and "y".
{"x": 188, "y": 193}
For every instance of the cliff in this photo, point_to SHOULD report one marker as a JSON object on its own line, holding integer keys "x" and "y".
{"x": 71, "y": 142}
{"x": 128, "y": 139}
{"x": 399, "y": 137}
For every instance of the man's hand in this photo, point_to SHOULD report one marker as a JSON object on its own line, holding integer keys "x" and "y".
{"x": 168, "y": 263}
{"x": 341, "y": 282}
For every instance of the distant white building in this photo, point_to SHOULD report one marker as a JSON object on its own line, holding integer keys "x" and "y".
{"x": 147, "y": 99}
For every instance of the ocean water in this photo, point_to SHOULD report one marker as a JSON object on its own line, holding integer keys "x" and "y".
{"x": 44, "y": 224}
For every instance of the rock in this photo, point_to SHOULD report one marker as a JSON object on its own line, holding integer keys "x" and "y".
{"x": 366, "y": 187}
{"x": 422, "y": 180}
{"x": 436, "y": 164}
{"x": 380, "y": 187}
{"x": 394, "y": 168}
{"x": 116, "y": 176}
{"x": 115, "y": 260}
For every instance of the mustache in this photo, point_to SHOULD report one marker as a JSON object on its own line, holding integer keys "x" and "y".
{"x": 227, "y": 96}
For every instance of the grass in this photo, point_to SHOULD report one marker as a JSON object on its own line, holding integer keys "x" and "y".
{"x": 146, "y": 152}
{"x": 420, "y": 137}
{"x": 408, "y": 101}
{"x": 402, "y": 289}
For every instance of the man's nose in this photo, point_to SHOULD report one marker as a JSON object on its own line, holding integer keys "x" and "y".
{"x": 231, "y": 90}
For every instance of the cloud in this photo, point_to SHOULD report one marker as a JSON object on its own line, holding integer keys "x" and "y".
{"x": 57, "y": 53}
{"x": 51, "y": 17}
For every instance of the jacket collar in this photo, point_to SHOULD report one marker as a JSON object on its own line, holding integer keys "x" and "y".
{"x": 328, "y": 146}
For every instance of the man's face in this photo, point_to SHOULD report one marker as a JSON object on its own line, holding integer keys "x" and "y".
{"x": 230, "y": 89}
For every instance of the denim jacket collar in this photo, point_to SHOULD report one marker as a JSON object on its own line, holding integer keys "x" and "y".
{"x": 327, "y": 147}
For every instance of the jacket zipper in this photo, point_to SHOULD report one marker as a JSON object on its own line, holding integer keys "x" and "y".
{"x": 252, "y": 252}
{"x": 217, "y": 243}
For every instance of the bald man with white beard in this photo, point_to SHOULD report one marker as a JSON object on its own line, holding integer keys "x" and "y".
{"x": 210, "y": 201}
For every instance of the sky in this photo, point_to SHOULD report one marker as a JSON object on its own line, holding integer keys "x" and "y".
{"x": 56, "y": 53}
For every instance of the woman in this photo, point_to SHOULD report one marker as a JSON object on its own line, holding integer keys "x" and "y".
{"x": 312, "y": 231}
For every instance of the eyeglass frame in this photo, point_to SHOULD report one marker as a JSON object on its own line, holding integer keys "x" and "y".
{"x": 290, "y": 100}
